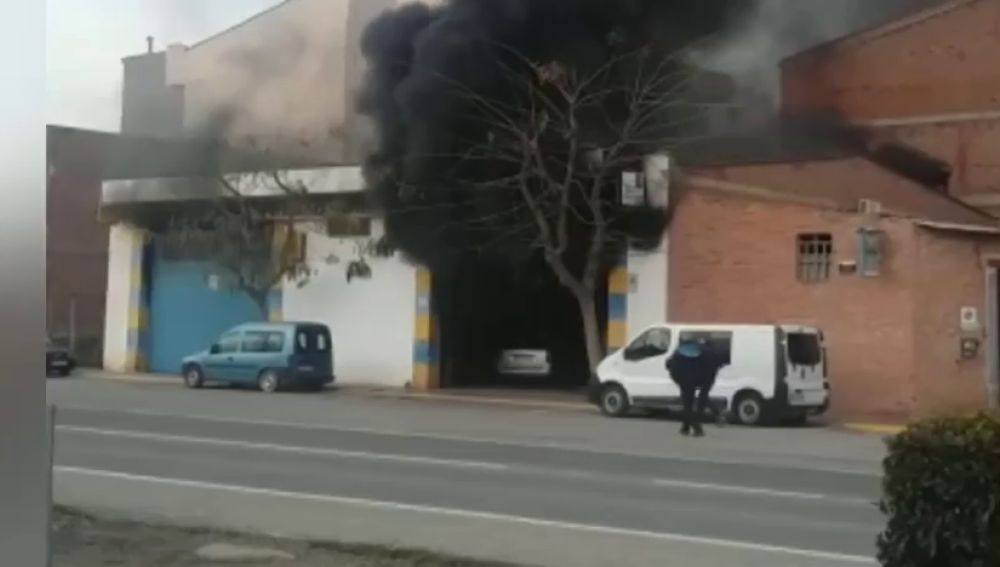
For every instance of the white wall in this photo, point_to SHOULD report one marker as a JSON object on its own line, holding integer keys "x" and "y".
{"x": 372, "y": 320}
{"x": 121, "y": 247}
{"x": 647, "y": 296}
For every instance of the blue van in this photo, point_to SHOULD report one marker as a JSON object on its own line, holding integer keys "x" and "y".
{"x": 269, "y": 356}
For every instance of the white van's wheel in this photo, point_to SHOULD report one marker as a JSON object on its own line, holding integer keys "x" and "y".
{"x": 614, "y": 401}
{"x": 749, "y": 409}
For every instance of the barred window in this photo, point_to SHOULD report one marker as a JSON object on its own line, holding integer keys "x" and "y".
{"x": 815, "y": 256}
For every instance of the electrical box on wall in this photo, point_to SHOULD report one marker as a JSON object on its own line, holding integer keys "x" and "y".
{"x": 633, "y": 188}
{"x": 969, "y": 320}
{"x": 871, "y": 244}
{"x": 969, "y": 348}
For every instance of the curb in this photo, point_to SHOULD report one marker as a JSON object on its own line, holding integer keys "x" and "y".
{"x": 481, "y": 400}
{"x": 876, "y": 428}
{"x": 370, "y": 393}
{"x": 145, "y": 379}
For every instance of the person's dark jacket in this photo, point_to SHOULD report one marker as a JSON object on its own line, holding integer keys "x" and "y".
{"x": 690, "y": 370}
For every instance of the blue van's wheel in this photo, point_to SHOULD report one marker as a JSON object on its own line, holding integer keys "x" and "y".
{"x": 193, "y": 377}
{"x": 268, "y": 382}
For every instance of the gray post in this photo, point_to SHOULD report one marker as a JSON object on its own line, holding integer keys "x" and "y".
{"x": 992, "y": 338}
{"x": 51, "y": 432}
{"x": 72, "y": 324}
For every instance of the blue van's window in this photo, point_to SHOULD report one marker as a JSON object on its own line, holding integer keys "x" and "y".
{"x": 275, "y": 342}
{"x": 229, "y": 343}
{"x": 312, "y": 340}
{"x": 263, "y": 341}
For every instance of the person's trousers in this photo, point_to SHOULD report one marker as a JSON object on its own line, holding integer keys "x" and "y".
{"x": 695, "y": 400}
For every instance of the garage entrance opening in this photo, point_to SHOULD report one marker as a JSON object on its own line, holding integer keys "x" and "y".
{"x": 501, "y": 326}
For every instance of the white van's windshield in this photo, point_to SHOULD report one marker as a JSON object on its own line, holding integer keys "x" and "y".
{"x": 804, "y": 349}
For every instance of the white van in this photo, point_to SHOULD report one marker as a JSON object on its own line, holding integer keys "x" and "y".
{"x": 774, "y": 372}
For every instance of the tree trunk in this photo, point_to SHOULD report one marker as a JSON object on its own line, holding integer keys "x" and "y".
{"x": 591, "y": 327}
{"x": 583, "y": 290}
{"x": 261, "y": 302}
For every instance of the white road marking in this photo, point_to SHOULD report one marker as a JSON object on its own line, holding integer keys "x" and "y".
{"x": 398, "y": 506}
{"x": 460, "y": 463}
{"x": 473, "y": 439}
{"x": 738, "y": 489}
{"x": 321, "y": 451}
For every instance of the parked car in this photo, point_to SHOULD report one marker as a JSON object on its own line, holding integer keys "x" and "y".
{"x": 268, "y": 356}
{"x": 773, "y": 372}
{"x": 524, "y": 362}
{"x": 58, "y": 361}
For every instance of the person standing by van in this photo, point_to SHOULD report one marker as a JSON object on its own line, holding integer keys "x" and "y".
{"x": 694, "y": 367}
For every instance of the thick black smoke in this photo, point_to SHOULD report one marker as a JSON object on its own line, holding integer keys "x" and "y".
{"x": 416, "y": 56}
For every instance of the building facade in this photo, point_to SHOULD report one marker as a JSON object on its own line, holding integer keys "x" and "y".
{"x": 929, "y": 80}
{"x": 899, "y": 274}
{"x": 76, "y": 244}
{"x": 892, "y": 316}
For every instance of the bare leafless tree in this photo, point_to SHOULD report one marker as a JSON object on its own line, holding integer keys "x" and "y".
{"x": 554, "y": 153}
{"x": 255, "y": 231}
{"x": 254, "y": 245}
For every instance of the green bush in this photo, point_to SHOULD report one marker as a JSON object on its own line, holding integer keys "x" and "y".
{"x": 941, "y": 494}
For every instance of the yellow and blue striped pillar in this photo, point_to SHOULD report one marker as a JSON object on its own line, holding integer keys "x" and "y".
{"x": 276, "y": 299}
{"x": 275, "y": 304}
{"x": 618, "y": 305}
{"x": 425, "y": 367}
{"x": 137, "y": 336}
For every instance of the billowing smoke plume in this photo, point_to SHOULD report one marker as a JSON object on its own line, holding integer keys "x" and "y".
{"x": 775, "y": 29}
{"x": 417, "y": 54}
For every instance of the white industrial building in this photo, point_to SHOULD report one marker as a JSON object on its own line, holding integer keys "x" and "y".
{"x": 161, "y": 308}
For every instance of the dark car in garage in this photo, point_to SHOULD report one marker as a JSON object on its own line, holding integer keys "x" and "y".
{"x": 58, "y": 361}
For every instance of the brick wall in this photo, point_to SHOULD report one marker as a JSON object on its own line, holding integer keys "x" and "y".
{"x": 76, "y": 243}
{"x": 950, "y": 275}
{"x": 971, "y": 147}
{"x": 915, "y": 66}
{"x": 844, "y": 182}
{"x": 733, "y": 260}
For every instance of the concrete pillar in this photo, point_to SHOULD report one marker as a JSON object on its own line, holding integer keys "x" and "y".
{"x": 647, "y": 289}
{"x": 425, "y": 361}
{"x": 637, "y": 294}
{"x": 618, "y": 306}
{"x": 126, "y": 312}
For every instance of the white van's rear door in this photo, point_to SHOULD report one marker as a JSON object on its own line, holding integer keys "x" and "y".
{"x": 805, "y": 356}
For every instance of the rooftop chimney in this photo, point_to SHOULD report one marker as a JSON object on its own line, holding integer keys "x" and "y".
{"x": 149, "y": 43}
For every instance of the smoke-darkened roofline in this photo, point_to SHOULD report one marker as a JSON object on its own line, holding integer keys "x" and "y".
{"x": 877, "y": 31}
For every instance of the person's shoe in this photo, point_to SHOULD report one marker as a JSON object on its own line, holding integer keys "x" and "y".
{"x": 685, "y": 429}
{"x": 699, "y": 432}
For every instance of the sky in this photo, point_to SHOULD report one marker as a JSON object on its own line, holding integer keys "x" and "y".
{"x": 86, "y": 40}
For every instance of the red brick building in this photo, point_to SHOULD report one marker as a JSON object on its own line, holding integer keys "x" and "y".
{"x": 930, "y": 80}
{"x": 76, "y": 247}
{"x": 894, "y": 338}
{"x": 929, "y": 85}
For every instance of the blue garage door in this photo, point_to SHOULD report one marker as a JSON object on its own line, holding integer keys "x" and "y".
{"x": 186, "y": 315}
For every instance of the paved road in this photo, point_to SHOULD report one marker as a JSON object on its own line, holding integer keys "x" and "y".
{"x": 544, "y": 487}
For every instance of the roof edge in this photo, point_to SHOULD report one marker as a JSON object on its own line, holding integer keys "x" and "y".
{"x": 755, "y": 191}
{"x": 882, "y": 29}
{"x": 240, "y": 24}
{"x": 957, "y": 227}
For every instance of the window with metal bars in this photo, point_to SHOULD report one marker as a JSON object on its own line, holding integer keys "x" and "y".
{"x": 815, "y": 257}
